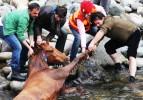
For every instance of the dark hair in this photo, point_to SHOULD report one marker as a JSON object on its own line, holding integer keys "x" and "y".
{"x": 61, "y": 11}
{"x": 95, "y": 16}
{"x": 32, "y": 6}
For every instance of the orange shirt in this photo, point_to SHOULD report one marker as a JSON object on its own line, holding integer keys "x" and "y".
{"x": 78, "y": 15}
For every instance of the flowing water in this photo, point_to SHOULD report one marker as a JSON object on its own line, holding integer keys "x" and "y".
{"x": 115, "y": 90}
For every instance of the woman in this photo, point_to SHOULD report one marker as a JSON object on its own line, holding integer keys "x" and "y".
{"x": 79, "y": 24}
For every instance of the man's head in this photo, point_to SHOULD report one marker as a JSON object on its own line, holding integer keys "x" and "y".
{"x": 97, "y": 18}
{"x": 60, "y": 13}
{"x": 34, "y": 9}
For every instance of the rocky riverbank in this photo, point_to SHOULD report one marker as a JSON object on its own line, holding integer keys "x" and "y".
{"x": 97, "y": 77}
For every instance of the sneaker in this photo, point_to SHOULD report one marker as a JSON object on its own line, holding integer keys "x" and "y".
{"x": 17, "y": 77}
{"x": 23, "y": 70}
{"x": 132, "y": 79}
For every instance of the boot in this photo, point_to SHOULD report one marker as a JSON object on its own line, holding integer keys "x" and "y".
{"x": 131, "y": 79}
{"x": 16, "y": 76}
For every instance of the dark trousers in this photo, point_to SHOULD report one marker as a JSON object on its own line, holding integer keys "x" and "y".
{"x": 60, "y": 44}
{"x": 132, "y": 44}
{"x": 23, "y": 56}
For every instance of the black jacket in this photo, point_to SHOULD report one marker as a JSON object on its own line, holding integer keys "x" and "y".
{"x": 47, "y": 21}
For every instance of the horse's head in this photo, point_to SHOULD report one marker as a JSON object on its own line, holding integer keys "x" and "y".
{"x": 53, "y": 55}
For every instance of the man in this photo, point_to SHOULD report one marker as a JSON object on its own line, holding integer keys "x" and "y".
{"x": 122, "y": 33}
{"x": 15, "y": 24}
{"x": 52, "y": 18}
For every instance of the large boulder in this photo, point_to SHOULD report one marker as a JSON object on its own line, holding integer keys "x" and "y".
{"x": 19, "y": 4}
{"x": 3, "y": 83}
{"x": 5, "y": 8}
{"x": 16, "y": 85}
{"x": 99, "y": 67}
{"x": 5, "y": 47}
{"x": 115, "y": 8}
{"x": 6, "y": 1}
{"x": 5, "y": 55}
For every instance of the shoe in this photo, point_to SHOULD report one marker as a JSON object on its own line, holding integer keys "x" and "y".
{"x": 24, "y": 70}
{"x": 16, "y": 76}
{"x": 132, "y": 79}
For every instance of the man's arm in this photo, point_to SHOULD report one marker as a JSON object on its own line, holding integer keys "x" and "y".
{"x": 93, "y": 44}
{"x": 30, "y": 52}
{"x": 38, "y": 32}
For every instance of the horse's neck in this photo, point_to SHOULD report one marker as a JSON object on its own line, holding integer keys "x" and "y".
{"x": 36, "y": 64}
{"x": 73, "y": 64}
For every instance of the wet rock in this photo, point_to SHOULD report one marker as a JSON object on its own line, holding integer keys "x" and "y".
{"x": 16, "y": 85}
{"x": 5, "y": 55}
{"x": 69, "y": 43}
{"x": 127, "y": 9}
{"x": 9, "y": 76}
{"x": 128, "y": 2}
{"x": 100, "y": 56}
{"x": 3, "y": 83}
{"x": 135, "y": 6}
{"x": 70, "y": 39}
{"x": 1, "y": 2}
{"x": 141, "y": 1}
{"x": 118, "y": 1}
{"x": 5, "y": 95}
{"x": 6, "y": 1}
{"x": 115, "y": 9}
{"x": 139, "y": 62}
{"x": 126, "y": 88}
{"x": 5, "y": 47}
{"x": 140, "y": 11}
{"x": 5, "y": 8}
{"x": 19, "y": 4}
{"x": 66, "y": 28}
{"x": 6, "y": 70}
{"x": 72, "y": 7}
{"x": 136, "y": 19}
{"x": 45, "y": 33}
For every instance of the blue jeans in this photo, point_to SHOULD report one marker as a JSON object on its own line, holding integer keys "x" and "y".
{"x": 75, "y": 45}
{"x": 77, "y": 40}
{"x": 15, "y": 44}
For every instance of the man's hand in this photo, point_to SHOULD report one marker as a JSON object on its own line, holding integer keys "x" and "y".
{"x": 92, "y": 47}
{"x": 39, "y": 40}
{"x": 30, "y": 52}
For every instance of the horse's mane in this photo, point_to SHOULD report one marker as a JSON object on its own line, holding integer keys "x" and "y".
{"x": 37, "y": 61}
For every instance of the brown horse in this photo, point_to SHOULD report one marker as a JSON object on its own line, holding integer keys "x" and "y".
{"x": 44, "y": 83}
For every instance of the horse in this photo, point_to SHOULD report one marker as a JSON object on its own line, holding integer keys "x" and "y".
{"x": 44, "y": 83}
